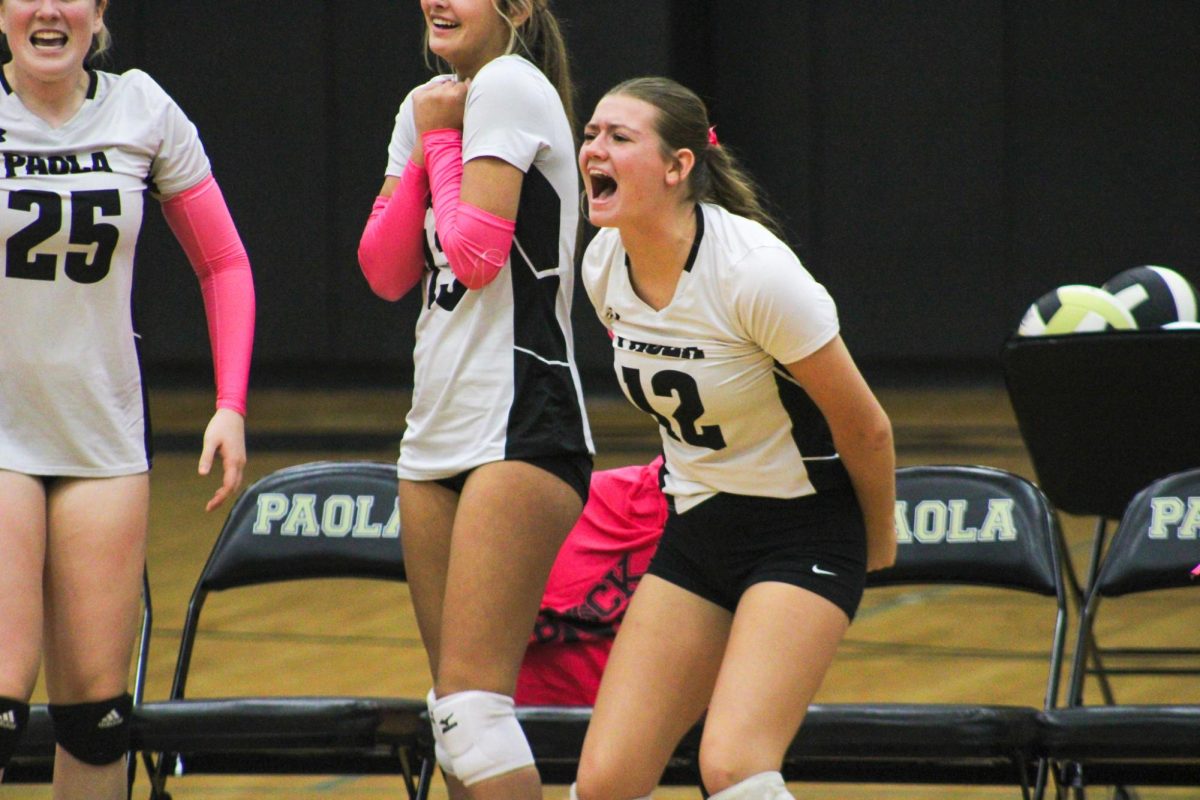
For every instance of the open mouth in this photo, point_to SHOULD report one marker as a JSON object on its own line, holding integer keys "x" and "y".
{"x": 48, "y": 39}
{"x": 603, "y": 186}
{"x": 443, "y": 24}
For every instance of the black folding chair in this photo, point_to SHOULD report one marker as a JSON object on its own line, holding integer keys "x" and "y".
{"x": 1155, "y": 547}
{"x": 318, "y": 520}
{"x": 963, "y": 525}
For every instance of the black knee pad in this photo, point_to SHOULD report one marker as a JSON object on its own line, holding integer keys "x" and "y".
{"x": 14, "y": 716}
{"x": 95, "y": 733}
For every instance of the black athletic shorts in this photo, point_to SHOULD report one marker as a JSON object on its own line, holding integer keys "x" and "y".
{"x": 575, "y": 470}
{"x": 724, "y": 545}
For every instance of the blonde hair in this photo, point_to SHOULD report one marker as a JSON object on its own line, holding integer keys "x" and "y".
{"x": 539, "y": 38}
{"x": 682, "y": 122}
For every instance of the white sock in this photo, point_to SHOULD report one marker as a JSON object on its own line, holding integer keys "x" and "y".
{"x": 763, "y": 786}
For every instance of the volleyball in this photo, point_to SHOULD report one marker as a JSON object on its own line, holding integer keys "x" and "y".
{"x": 1075, "y": 308}
{"x": 1155, "y": 296}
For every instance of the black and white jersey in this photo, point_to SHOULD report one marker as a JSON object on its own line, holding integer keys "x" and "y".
{"x": 71, "y": 201}
{"x": 494, "y": 369}
{"x": 709, "y": 365}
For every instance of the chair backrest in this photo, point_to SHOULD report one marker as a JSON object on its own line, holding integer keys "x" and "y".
{"x": 1156, "y": 546}
{"x": 1157, "y": 542}
{"x": 317, "y": 520}
{"x": 1104, "y": 414}
{"x": 973, "y": 525}
{"x": 980, "y": 526}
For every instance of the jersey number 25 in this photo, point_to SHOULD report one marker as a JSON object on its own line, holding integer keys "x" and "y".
{"x": 85, "y": 231}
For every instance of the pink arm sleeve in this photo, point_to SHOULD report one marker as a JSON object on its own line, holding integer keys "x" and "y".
{"x": 389, "y": 251}
{"x": 200, "y": 221}
{"x": 476, "y": 243}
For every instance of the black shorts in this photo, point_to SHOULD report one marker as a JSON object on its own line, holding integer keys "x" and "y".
{"x": 729, "y": 542}
{"x": 574, "y": 469}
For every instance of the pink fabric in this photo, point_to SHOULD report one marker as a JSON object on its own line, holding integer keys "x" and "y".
{"x": 389, "y": 251}
{"x": 476, "y": 242}
{"x": 200, "y": 220}
{"x": 599, "y": 566}
{"x": 1196, "y": 571}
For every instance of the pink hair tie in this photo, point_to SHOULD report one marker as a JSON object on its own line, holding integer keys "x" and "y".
{"x": 712, "y": 137}
{"x": 1196, "y": 571}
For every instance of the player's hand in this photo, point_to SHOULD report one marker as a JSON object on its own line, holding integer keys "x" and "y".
{"x": 440, "y": 105}
{"x": 881, "y": 548}
{"x": 225, "y": 434}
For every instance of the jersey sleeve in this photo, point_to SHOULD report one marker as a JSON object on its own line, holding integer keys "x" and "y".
{"x": 508, "y": 113}
{"x": 594, "y": 272}
{"x": 404, "y": 132}
{"x": 180, "y": 162}
{"x": 404, "y": 137}
{"x": 781, "y": 306}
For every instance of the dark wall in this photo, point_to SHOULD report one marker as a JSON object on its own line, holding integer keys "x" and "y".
{"x": 938, "y": 165}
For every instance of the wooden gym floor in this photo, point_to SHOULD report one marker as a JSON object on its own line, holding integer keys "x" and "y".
{"x": 935, "y": 645}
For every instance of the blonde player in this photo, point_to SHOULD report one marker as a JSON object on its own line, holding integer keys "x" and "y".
{"x": 79, "y": 149}
{"x": 480, "y": 206}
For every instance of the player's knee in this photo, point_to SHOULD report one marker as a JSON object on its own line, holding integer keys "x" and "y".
{"x": 763, "y": 786}
{"x": 95, "y": 733}
{"x": 601, "y": 778}
{"x": 480, "y": 735}
{"x": 575, "y": 795}
{"x": 14, "y": 716}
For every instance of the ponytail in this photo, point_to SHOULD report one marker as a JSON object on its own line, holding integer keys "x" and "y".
{"x": 682, "y": 122}
{"x": 723, "y": 181}
{"x": 540, "y": 40}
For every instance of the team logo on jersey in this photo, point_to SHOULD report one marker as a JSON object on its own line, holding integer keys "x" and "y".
{"x": 666, "y": 351}
{"x": 71, "y": 164}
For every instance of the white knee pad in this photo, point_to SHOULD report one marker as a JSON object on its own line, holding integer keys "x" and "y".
{"x": 480, "y": 734}
{"x": 575, "y": 796}
{"x": 763, "y": 786}
{"x": 439, "y": 751}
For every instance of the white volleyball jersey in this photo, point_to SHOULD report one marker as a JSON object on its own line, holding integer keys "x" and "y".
{"x": 494, "y": 369}
{"x": 71, "y": 201}
{"x": 709, "y": 365}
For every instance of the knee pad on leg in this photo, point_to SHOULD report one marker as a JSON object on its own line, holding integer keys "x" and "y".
{"x": 95, "y": 733}
{"x": 763, "y": 786}
{"x": 439, "y": 750}
{"x": 14, "y": 716}
{"x": 481, "y": 735}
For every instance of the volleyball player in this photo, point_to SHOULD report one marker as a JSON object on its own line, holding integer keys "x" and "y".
{"x": 496, "y": 456}
{"x": 779, "y": 459}
{"x": 79, "y": 149}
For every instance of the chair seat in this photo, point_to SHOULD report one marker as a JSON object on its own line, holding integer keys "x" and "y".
{"x": 276, "y": 723}
{"x": 904, "y": 730}
{"x": 903, "y": 742}
{"x": 315, "y": 735}
{"x": 1124, "y": 732}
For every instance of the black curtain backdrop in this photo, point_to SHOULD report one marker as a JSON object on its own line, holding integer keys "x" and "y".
{"x": 938, "y": 165}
